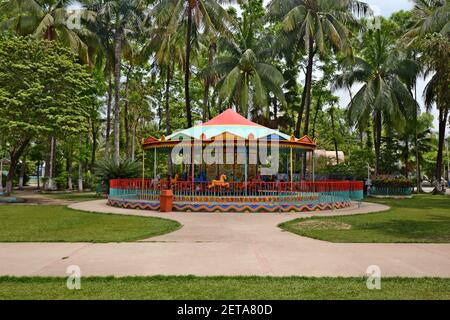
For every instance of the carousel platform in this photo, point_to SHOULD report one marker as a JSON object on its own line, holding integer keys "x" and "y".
{"x": 261, "y": 197}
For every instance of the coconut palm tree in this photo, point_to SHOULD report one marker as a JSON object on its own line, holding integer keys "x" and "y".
{"x": 102, "y": 28}
{"x": 246, "y": 74}
{"x": 126, "y": 16}
{"x": 383, "y": 95}
{"x": 205, "y": 15}
{"x": 166, "y": 47}
{"x": 48, "y": 19}
{"x": 315, "y": 25}
{"x": 430, "y": 35}
{"x": 430, "y": 16}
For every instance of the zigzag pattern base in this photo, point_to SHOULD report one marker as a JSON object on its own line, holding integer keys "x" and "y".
{"x": 229, "y": 207}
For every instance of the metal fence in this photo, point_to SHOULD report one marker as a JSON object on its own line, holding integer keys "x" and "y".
{"x": 256, "y": 191}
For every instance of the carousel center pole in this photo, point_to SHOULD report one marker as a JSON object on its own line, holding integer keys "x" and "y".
{"x": 246, "y": 169}
{"x": 291, "y": 168}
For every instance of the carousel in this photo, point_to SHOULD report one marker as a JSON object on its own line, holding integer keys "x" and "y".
{"x": 231, "y": 164}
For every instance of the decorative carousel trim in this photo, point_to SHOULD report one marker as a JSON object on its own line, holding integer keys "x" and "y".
{"x": 229, "y": 207}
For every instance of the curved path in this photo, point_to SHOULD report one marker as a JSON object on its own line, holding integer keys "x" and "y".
{"x": 225, "y": 244}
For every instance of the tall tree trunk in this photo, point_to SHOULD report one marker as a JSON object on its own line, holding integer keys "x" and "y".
{"x": 94, "y": 145}
{"x": 406, "y": 159}
{"x": 416, "y": 140}
{"x": 318, "y": 108}
{"x": 308, "y": 86}
{"x": 208, "y": 82}
{"x": 187, "y": 71}
{"x": 443, "y": 115}
{"x": 126, "y": 121}
{"x": 80, "y": 165}
{"x": 51, "y": 165}
{"x": 309, "y": 73}
{"x": 168, "y": 124}
{"x": 418, "y": 173}
{"x": 298, "y": 126}
{"x": 15, "y": 156}
{"x": 69, "y": 168}
{"x": 333, "y": 128}
{"x": 205, "y": 101}
{"x": 22, "y": 173}
{"x": 377, "y": 137}
{"x": 108, "y": 115}
{"x": 38, "y": 175}
{"x": 117, "y": 73}
{"x": 133, "y": 142}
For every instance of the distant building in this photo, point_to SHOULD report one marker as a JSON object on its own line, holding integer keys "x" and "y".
{"x": 330, "y": 155}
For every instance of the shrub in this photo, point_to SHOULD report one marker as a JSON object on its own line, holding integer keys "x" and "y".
{"x": 390, "y": 182}
{"x": 61, "y": 181}
{"x": 107, "y": 170}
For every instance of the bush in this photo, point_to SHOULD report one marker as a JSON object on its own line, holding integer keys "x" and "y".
{"x": 107, "y": 170}
{"x": 389, "y": 182}
{"x": 61, "y": 181}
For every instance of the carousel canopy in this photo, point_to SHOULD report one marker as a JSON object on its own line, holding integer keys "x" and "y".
{"x": 230, "y": 125}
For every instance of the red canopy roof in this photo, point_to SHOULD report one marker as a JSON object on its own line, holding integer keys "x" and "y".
{"x": 230, "y": 117}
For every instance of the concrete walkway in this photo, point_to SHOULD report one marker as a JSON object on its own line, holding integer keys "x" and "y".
{"x": 225, "y": 244}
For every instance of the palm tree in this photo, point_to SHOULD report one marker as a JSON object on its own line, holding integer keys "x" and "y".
{"x": 47, "y": 19}
{"x": 430, "y": 16}
{"x": 430, "y": 35}
{"x": 167, "y": 48}
{"x": 125, "y": 16}
{"x": 315, "y": 25}
{"x": 383, "y": 95}
{"x": 207, "y": 15}
{"x": 103, "y": 30}
{"x": 418, "y": 131}
{"x": 246, "y": 75}
{"x": 436, "y": 60}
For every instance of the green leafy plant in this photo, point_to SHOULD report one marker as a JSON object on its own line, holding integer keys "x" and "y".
{"x": 107, "y": 170}
{"x": 389, "y": 182}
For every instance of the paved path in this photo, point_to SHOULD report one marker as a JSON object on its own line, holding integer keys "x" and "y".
{"x": 225, "y": 244}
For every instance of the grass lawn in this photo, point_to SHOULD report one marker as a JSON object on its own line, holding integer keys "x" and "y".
{"x": 73, "y": 196}
{"x": 424, "y": 218}
{"x": 211, "y": 288}
{"x": 23, "y": 223}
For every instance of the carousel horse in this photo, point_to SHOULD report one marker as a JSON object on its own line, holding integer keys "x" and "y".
{"x": 219, "y": 183}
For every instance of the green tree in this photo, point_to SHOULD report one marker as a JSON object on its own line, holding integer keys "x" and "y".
{"x": 245, "y": 69}
{"x": 53, "y": 94}
{"x": 316, "y": 26}
{"x": 430, "y": 35}
{"x": 192, "y": 16}
{"x": 436, "y": 60}
{"x": 48, "y": 19}
{"x": 125, "y": 16}
{"x": 380, "y": 69}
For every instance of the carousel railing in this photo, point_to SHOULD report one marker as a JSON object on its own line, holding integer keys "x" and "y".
{"x": 328, "y": 191}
